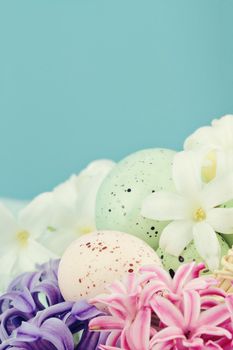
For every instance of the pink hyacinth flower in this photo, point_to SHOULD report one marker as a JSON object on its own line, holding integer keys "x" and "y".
{"x": 187, "y": 277}
{"x": 106, "y": 347}
{"x": 130, "y": 321}
{"x": 152, "y": 311}
{"x": 187, "y": 327}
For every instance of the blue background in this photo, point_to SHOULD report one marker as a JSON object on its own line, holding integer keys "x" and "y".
{"x": 85, "y": 79}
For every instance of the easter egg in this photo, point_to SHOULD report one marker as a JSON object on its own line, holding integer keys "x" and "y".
{"x": 99, "y": 258}
{"x": 120, "y": 197}
{"x": 171, "y": 262}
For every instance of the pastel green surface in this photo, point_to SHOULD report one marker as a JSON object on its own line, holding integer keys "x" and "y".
{"x": 171, "y": 263}
{"x": 120, "y": 197}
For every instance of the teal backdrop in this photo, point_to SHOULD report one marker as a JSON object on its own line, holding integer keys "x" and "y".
{"x": 88, "y": 79}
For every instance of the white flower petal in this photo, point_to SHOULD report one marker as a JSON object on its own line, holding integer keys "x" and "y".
{"x": 221, "y": 219}
{"x": 66, "y": 192}
{"x": 224, "y": 162}
{"x": 14, "y": 205}
{"x": 176, "y": 236}
{"x": 57, "y": 241}
{"x": 36, "y": 216}
{"x": 207, "y": 245}
{"x": 75, "y": 199}
{"x": 187, "y": 172}
{"x": 219, "y": 136}
{"x": 34, "y": 253}
{"x": 87, "y": 185}
{"x": 223, "y": 128}
{"x": 17, "y": 260}
{"x": 63, "y": 214}
{"x": 218, "y": 191}
{"x": 201, "y": 137}
{"x": 48, "y": 211}
{"x": 165, "y": 206}
{"x": 99, "y": 168}
{"x": 8, "y": 228}
{"x": 10, "y": 270}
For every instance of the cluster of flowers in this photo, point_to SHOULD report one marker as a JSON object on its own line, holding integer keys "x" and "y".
{"x": 202, "y": 175}
{"x": 33, "y": 315}
{"x": 42, "y": 229}
{"x": 203, "y": 179}
{"x": 152, "y": 311}
{"x": 144, "y": 311}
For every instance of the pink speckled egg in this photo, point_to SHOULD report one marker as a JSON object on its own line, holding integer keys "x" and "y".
{"x": 99, "y": 258}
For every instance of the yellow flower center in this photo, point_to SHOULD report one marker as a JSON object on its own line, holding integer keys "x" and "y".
{"x": 210, "y": 168}
{"x": 199, "y": 215}
{"x": 22, "y": 237}
{"x": 94, "y": 328}
{"x": 51, "y": 229}
{"x": 85, "y": 230}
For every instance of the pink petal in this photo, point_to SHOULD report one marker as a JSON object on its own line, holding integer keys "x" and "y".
{"x": 213, "y": 292}
{"x": 210, "y": 345}
{"x": 149, "y": 290}
{"x": 169, "y": 345}
{"x": 212, "y": 330}
{"x": 145, "y": 277}
{"x": 131, "y": 282}
{"x": 106, "y": 347}
{"x": 113, "y": 338}
{"x": 192, "y": 305}
{"x": 229, "y": 302}
{"x": 197, "y": 270}
{"x": 160, "y": 273}
{"x": 182, "y": 276}
{"x": 115, "y": 302}
{"x": 214, "y": 316}
{"x": 117, "y": 287}
{"x": 167, "y": 334}
{"x": 206, "y": 304}
{"x": 168, "y": 313}
{"x": 130, "y": 305}
{"x": 124, "y": 340}
{"x": 105, "y": 323}
{"x": 140, "y": 329}
{"x": 196, "y": 344}
{"x": 200, "y": 283}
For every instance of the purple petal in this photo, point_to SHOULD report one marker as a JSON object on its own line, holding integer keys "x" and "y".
{"x": 84, "y": 311}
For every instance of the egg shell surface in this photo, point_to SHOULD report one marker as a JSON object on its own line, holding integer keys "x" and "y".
{"x": 99, "y": 258}
{"x": 171, "y": 262}
{"x": 120, "y": 197}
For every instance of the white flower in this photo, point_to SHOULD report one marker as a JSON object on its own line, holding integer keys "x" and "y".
{"x": 19, "y": 246}
{"x": 192, "y": 210}
{"x": 217, "y": 142}
{"x": 69, "y": 210}
{"x": 14, "y": 205}
{"x": 43, "y": 229}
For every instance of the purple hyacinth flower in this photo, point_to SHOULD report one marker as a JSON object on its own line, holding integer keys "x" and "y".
{"x": 34, "y": 315}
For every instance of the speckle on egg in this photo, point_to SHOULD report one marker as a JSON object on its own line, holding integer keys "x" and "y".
{"x": 131, "y": 180}
{"x": 106, "y": 256}
{"x": 189, "y": 254}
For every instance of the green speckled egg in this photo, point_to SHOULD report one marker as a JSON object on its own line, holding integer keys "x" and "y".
{"x": 228, "y": 238}
{"x": 121, "y": 194}
{"x": 171, "y": 263}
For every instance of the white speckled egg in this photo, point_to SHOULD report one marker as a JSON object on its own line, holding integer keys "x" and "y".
{"x": 99, "y": 258}
{"x": 120, "y": 197}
